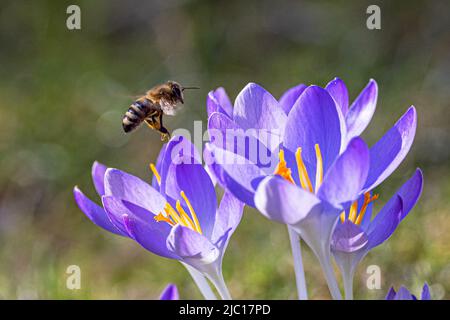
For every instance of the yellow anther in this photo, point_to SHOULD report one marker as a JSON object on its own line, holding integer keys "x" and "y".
{"x": 172, "y": 213}
{"x": 188, "y": 222}
{"x": 319, "y": 167}
{"x": 353, "y": 211}
{"x": 302, "y": 172}
{"x": 282, "y": 169}
{"x": 155, "y": 173}
{"x": 367, "y": 200}
{"x": 179, "y": 216}
{"x": 160, "y": 217}
{"x": 192, "y": 212}
{"x": 342, "y": 216}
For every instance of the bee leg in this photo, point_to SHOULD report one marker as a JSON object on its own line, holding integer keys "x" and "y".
{"x": 165, "y": 134}
{"x": 155, "y": 124}
{"x": 150, "y": 123}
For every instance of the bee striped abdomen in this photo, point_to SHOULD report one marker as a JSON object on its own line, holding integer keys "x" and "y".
{"x": 135, "y": 114}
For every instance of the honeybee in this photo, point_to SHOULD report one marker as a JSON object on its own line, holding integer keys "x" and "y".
{"x": 150, "y": 108}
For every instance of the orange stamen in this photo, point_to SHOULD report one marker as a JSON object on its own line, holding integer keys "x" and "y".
{"x": 302, "y": 172}
{"x": 185, "y": 216}
{"x": 192, "y": 212}
{"x": 282, "y": 169}
{"x": 160, "y": 217}
{"x": 342, "y": 216}
{"x": 319, "y": 167}
{"x": 155, "y": 173}
{"x": 171, "y": 212}
{"x": 367, "y": 200}
{"x": 353, "y": 211}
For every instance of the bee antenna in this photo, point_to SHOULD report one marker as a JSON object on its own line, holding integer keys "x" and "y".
{"x": 184, "y": 88}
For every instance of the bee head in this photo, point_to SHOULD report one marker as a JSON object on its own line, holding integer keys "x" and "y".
{"x": 177, "y": 90}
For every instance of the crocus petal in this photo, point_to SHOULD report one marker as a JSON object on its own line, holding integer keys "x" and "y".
{"x": 325, "y": 128}
{"x": 98, "y": 177}
{"x": 115, "y": 211}
{"x": 256, "y": 108}
{"x": 348, "y": 237}
{"x": 125, "y": 186}
{"x": 403, "y": 294}
{"x": 95, "y": 213}
{"x": 170, "y": 293}
{"x": 221, "y": 122}
{"x": 385, "y": 223}
{"x": 391, "y": 294}
{"x": 218, "y": 101}
{"x": 224, "y": 100}
{"x": 387, "y": 154}
{"x": 258, "y": 146}
{"x": 288, "y": 98}
{"x": 284, "y": 202}
{"x": 345, "y": 179}
{"x": 228, "y": 216}
{"x": 410, "y": 192}
{"x": 338, "y": 90}
{"x": 196, "y": 184}
{"x": 233, "y": 172}
{"x": 211, "y": 174}
{"x": 191, "y": 246}
{"x": 178, "y": 150}
{"x": 117, "y": 208}
{"x": 151, "y": 235}
{"x": 219, "y": 127}
{"x": 426, "y": 292}
{"x": 362, "y": 110}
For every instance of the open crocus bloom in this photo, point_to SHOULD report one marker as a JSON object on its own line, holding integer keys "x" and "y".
{"x": 317, "y": 114}
{"x": 404, "y": 294}
{"x": 323, "y": 173}
{"x": 170, "y": 293}
{"x": 323, "y": 170}
{"x": 178, "y": 219}
{"x": 312, "y": 116}
{"x": 356, "y": 233}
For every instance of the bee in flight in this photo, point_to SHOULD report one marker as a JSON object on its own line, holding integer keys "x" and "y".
{"x": 150, "y": 108}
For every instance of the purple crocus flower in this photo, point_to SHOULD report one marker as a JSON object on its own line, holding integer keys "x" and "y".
{"x": 404, "y": 294}
{"x": 324, "y": 171}
{"x": 177, "y": 219}
{"x": 170, "y": 293}
{"x": 262, "y": 119}
{"x": 357, "y": 233}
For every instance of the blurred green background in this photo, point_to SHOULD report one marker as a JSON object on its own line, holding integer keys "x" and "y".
{"x": 63, "y": 93}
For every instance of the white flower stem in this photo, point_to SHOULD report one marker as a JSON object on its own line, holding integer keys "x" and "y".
{"x": 219, "y": 282}
{"x": 325, "y": 262}
{"x": 348, "y": 284}
{"x": 201, "y": 283}
{"x": 298, "y": 264}
{"x": 346, "y": 263}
